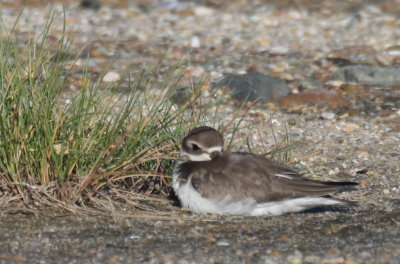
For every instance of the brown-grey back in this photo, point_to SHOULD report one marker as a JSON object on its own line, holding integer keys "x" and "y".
{"x": 243, "y": 175}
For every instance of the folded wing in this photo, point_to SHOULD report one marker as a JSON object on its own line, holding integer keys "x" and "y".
{"x": 243, "y": 175}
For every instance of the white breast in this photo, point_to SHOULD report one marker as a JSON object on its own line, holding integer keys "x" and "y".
{"x": 190, "y": 198}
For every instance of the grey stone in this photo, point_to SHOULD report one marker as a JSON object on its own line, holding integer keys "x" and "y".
{"x": 369, "y": 75}
{"x": 253, "y": 85}
{"x": 92, "y": 4}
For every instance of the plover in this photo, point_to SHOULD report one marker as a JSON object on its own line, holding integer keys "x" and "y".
{"x": 209, "y": 180}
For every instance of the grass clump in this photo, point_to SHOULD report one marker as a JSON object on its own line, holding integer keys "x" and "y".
{"x": 71, "y": 147}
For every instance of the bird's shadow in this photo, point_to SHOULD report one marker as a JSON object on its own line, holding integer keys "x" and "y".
{"x": 174, "y": 198}
{"x": 328, "y": 209}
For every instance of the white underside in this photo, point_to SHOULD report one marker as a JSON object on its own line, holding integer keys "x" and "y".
{"x": 192, "y": 200}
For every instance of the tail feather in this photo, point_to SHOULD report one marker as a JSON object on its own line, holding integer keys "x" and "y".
{"x": 316, "y": 188}
{"x": 296, "y": 205}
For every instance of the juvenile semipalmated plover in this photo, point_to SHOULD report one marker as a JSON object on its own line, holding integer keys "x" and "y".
{"x": 207, "y": 179}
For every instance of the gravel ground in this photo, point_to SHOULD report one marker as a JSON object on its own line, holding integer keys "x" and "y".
{"x": 297, "y": 41}
{"x": 368, "y": 234}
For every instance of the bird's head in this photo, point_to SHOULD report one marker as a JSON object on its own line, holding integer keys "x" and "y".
{"x": 202, "y": 144}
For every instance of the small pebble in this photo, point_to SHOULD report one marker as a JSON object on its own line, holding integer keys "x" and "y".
{"x": 111, "y": 77}
{"x": 195, "y": 42}
{"x": 296, "y": 258}
{"x": 134, "y": 237}
{"x": 158, "y": 223}
{"x": 350, "y": 128}
{"x": 203, "y": 11}
{"x": 328, "y": 115}
{"x": 223, "y": 243}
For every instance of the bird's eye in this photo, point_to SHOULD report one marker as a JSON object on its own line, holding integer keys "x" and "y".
{"x": 195, "y": 147}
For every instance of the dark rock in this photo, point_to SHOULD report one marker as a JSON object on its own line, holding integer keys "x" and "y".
{"x": 255, "y": 85}
{"x": 369, "y": 75}
{"x": 93, "y": 4}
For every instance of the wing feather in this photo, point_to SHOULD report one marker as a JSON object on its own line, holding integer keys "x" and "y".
{"x": 242, "y": 175}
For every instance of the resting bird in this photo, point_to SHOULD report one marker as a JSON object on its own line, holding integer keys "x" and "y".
{"x": 209, "y": 180}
